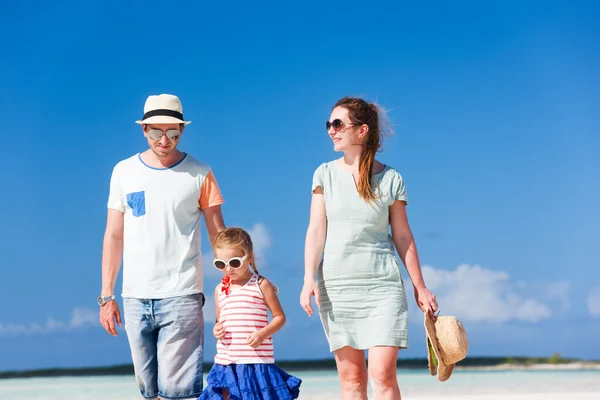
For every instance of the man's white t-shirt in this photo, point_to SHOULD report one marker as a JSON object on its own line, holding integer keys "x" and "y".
{"x": 162, "y": 213}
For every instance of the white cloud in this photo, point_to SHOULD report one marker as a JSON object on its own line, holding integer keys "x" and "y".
{"x": 593, "y": 301}
{"x": 261, "y": 241}
{"x": 83, "y": 317}
{"x": 80, "y": 318}
{"x": 473, "y": 293}
{"x": 207, "y": 266}
{"x": 557, "y": 292}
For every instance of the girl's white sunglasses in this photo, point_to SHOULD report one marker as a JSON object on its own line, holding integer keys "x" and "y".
{"x": 234, "y": 262}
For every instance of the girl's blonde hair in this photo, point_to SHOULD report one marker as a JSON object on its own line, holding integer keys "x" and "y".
{"x": 238, "y": 238}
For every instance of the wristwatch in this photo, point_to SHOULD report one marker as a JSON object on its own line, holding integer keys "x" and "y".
{"x": 102, "y": 300}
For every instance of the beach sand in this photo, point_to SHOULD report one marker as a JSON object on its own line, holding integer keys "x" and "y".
{"x": 324, "y": 385}
{"x": 503, "y": 396}
{"x": 510, "y": 396}
{"x": 333, "y": 396}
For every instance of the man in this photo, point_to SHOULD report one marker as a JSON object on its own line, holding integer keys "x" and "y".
{"x": 155, "y": 205}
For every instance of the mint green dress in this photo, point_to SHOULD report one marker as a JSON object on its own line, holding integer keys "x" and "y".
{"x": 363, "y": 301}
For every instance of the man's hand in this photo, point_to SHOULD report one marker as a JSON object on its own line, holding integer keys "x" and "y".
{"x": 108, "y": 314}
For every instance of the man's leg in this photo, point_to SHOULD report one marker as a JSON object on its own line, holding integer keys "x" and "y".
{"x": 180, "y": 346}
{"x": 142, "y": 336}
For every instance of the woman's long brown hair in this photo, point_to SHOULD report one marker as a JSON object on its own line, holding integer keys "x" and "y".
{"x": 361, "y": 112}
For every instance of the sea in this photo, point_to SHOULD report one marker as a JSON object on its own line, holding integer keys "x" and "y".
{"x": 324, "y": 384}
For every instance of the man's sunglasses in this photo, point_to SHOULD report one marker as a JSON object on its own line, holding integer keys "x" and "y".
{"x": 156, "y": 134}
{"x": 234, "y": 263}
{"x": 337, "y": 125}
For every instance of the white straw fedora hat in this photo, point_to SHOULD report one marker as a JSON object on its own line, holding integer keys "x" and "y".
{"x": 447, "y": 344}
{"x": 163, "y": 109}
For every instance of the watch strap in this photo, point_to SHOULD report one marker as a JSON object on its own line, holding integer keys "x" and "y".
{"x": 102, "y": 300}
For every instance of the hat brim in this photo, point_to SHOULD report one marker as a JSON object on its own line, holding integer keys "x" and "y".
{"x": 432, "y": 362}
{"x": 162, "y": 119}
{"x": 442, "y": 370}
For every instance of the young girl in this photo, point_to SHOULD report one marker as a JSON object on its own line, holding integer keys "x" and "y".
{"x": 244, "y": 366}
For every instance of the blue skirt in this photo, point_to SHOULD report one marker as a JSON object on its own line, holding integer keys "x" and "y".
{"x": 250, "y": 382}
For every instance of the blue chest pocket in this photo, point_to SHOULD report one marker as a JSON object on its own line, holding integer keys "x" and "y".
{"x": 137, "y": 202}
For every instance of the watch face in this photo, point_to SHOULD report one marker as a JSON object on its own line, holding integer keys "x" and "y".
{"x": 100, "y": 300}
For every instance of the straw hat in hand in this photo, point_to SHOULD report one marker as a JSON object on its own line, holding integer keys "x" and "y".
{"x": 447, "y": 344}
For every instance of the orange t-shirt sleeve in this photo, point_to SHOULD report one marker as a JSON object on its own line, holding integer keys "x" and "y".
{"x": 210, "y": 194}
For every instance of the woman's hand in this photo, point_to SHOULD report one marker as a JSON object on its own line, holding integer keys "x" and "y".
{"x": 426, "y": 301}
{"x": 308, "y": 290}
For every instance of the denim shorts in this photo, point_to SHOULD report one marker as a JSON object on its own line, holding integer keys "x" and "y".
{"x": 166, "y": 337}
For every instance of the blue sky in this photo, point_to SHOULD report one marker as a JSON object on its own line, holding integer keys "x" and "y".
{"x": 497, "y": 136}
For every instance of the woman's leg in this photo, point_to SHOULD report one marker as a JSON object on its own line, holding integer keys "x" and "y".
{"x": 352, "y": 370}
{"x": 382, "y": 372}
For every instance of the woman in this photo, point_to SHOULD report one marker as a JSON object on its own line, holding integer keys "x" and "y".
{"x": 359, "y": 288}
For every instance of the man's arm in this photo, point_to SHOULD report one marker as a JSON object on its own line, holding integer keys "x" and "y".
{"x": 210, "y": 203}
{"x": 112, "y": 251}
{"x": 112, "y": 255}
{"x": 213, "y": 217}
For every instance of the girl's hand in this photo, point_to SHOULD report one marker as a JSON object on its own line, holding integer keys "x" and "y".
{"x": 308, "y": 290}
{"x": 219, "y": 331}
{"x": 255, "y": 339}
{"x": 426, "y": 301}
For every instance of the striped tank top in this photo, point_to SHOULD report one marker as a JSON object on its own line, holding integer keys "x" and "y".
{"x": 242, "y": 312}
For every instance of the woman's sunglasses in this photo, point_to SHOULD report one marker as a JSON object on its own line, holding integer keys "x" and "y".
{"x": 234, "y": 262}
{"x": 337, "y": 125}
{"x": 156, "y": 134}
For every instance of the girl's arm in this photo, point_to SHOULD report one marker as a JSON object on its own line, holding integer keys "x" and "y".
{"x": 217, "y": 309}
{"x": 272, "y": 302}
{"x": 407, "y": 250}
{"x": 270, "y": 297}
{"x": 218, "y": 329}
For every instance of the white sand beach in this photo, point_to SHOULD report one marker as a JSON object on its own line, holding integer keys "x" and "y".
{"x": 574, "y": 366}
{"x": 510, "y": 396}
{"x": 336, "y": 395}
{"x": 324, "y": 385}
{"x": 333, "y": 396}
{"x": 503, "y": 396}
